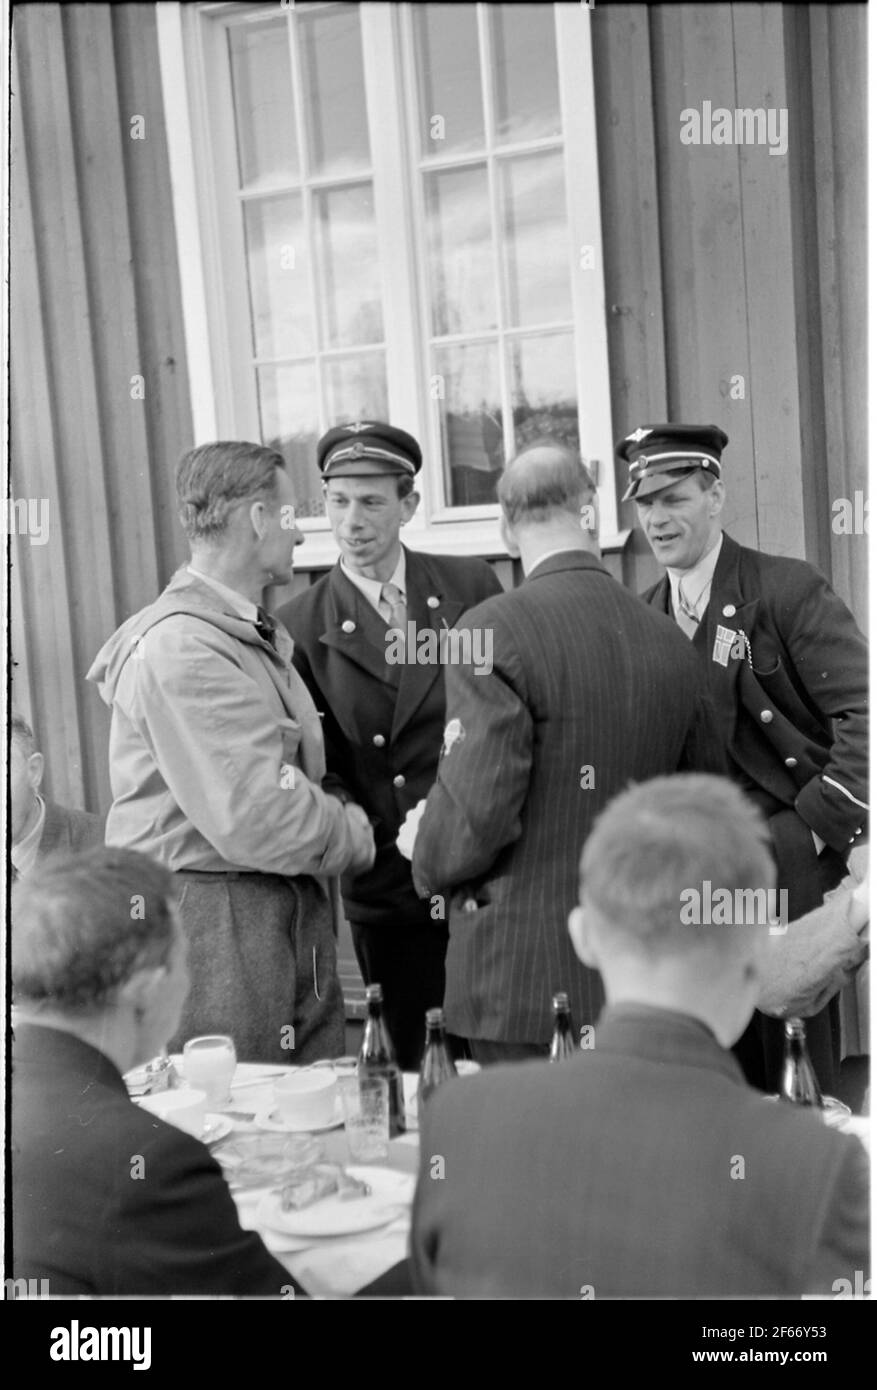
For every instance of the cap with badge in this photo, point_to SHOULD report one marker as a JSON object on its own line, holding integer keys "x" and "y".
{"x": 658, "y": 454}
{"x": 368, "y": 447}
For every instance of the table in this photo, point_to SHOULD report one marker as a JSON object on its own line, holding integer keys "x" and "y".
{"x": 328, "y": 1267}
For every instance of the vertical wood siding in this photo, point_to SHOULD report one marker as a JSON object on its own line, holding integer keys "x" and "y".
{"x": 719, "y": 261}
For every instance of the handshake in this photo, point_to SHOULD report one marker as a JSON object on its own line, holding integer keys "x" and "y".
{"x": 362, "y": 836}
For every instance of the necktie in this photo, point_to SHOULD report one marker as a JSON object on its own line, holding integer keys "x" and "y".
{"x": 266, "y": 626}
{"x": 686, "y": 613}
{"x": 393, "y": 609}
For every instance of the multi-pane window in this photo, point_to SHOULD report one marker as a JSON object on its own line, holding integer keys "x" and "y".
{"x": 498, "y": 273}
{"x": 391, "y": 203}
{"x": 305, "y": 189}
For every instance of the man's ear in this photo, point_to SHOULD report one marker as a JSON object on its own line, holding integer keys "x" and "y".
{"x": 580, "y": 935}
{"x": 717, "y": 497}
{"x": 508, "y": 537}
{"x": 140, "y": 989}
{"x": 35, "y": 767}
{"x": 409, "y": 506}
{"x": 259, "y": 519}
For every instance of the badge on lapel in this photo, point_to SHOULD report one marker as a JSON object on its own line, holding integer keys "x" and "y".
{"x": 454, "y": 733}
{"x": 730, "y": 644}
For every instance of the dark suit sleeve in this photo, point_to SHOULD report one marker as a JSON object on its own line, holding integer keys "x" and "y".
{"x": 474, "y": 809}
{"x": 843, "y": 1252}
{"x": 178, "y": 1229}
{"x": 830, "y": 660}
{"x": 704, "y": 749}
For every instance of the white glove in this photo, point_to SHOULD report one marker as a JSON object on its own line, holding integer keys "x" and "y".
{"x": 408, "y": 830}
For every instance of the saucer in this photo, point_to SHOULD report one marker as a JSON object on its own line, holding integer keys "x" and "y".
{"x": 269, "y": 1117}
{"x": 215, "y": 1127}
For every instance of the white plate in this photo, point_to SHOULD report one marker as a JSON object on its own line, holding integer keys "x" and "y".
{"x": 270, "y": 1118}
{"x": 391, "y": 1193}
{"x": 215, "y": 1127}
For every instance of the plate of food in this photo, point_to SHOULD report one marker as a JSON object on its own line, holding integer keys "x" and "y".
{"x": 328, "y": 1200}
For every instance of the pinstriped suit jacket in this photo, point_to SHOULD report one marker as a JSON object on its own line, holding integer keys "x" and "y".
{"x": 584, "y": 675}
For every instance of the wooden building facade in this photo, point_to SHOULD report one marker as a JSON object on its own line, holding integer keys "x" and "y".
{"x": 732, "y": 279}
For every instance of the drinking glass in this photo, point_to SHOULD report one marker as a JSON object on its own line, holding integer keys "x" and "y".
{"x": 209, "y": 1064}
{"x": 366, "y": 1104}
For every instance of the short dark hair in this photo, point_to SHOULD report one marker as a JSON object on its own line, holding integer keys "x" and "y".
{"x": 212, "y": 478}
{"x": 533, "y": 489}
{"x": 83, "y": 923}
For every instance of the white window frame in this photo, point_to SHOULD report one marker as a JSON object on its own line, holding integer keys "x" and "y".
{"x": 216, "y": 313}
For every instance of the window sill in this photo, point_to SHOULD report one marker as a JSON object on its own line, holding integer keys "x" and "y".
{"x": 480, "y": 539}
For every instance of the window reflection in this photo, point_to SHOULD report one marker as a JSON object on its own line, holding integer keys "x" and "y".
{"x": 543, "y": 388}
{"x": 449, "y": 79}
{"x": 467, "y": 378}
{"x": 262, "y": 87}
{"x": 280, "y": 299}
{"x": 349, "y": 270}
{"x": 526, "y": 95}
{"x": 537, "y": 258}
{"x": 288, "y": 414}
{"x": 460, "y": 251}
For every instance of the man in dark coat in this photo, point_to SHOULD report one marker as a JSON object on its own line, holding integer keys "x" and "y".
{"x": 588, "y": 691}
{"x": 39, "y": 827}
{"x": 644, "y": 1167}
{"x": 369, "y": 645}
{"x": 788, "y": 672}
{"x": 108, "y": 1199}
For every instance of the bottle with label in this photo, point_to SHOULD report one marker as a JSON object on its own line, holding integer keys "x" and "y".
{"x": 377, "y": 1057}
{"x": 563, "y": 1042}
{"x": 798, "y": 1084}
{"x": 438, "y": 1064}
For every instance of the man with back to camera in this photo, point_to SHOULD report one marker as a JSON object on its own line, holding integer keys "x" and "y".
{"x": 788, "y": 672}
{"x": 588, "y": 690}
{"x": 645, "y": 1167}
{"x": 383, "y": 717}
{"x": 216, "y": 759}
{"x": 108, "y": 1199}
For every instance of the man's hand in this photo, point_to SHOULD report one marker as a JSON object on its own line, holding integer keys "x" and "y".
{"x": 408, "y": 830}
{"x": 820, "y": 953}
{"x": 363, "y": 838}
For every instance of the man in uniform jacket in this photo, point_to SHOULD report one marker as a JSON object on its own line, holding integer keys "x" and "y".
{"x": 644, "y": 1167}
{"x": 216, "y": 761}
{"x": 108, "y": 1199}
{"x": 368, "y": 644}
{"x": 788, "y": 671}
{"x": 39, "y": 827}
{"x": 588, "y": 690}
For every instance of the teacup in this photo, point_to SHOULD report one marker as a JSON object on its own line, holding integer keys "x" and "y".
{"x": 184, "y": 1107}
{"x": 307, "y": 1097}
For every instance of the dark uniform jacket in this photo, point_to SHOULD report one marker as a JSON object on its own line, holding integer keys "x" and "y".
{"x": 382, "y": 722}
{"x": 90, "y": 1218}
{"x": 793, "y": 701}
{"x": 584, "y": 697}
{"x": 621, "y": 1174}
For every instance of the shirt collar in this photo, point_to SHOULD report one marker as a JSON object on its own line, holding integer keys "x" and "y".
{"x": 371, "y": 588}
{"x": 25, "y": 852}
{"x": 697, "y": 580}
{"x": 237, "y": 602}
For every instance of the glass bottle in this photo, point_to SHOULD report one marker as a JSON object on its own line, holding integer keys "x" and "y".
{"x": 562, "y": 1043}
{"x": 377, "y": 1057}
{"x": 798, "y": 1084}
{"x": 438, "y": 1064}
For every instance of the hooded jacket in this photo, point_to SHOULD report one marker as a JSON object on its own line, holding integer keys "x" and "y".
{"x": 216, "y": 750}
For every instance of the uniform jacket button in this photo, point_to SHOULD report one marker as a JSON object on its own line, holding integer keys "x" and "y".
{"x": 379, "y": 740}
{"x": 348, "y": 626}
{"x": 791, "y": 762}
{"x": 398, "y": 780}
{"x": 766, "y": 716}
{"x": 729, "y": 610}
{"x": 470, "y": 905}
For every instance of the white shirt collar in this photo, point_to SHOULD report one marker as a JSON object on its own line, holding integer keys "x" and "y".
{"x": 698, "y": 580}
{"x": 241, "y": 605}
{"x": 25, "y": 852}
{"x": 371, "y": 588}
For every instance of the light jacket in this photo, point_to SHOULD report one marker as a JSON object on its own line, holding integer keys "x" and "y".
{"x": 216, "y": 751}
